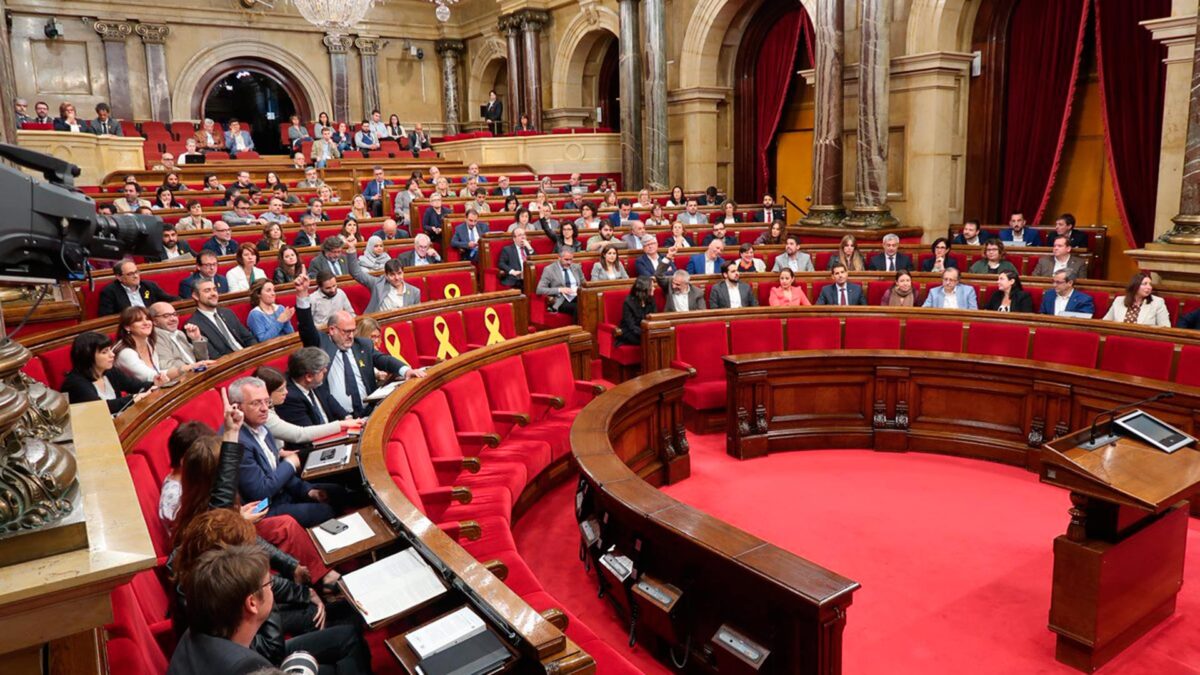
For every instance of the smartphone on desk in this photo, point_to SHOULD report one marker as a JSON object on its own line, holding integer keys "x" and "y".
{"x": 334, "y": 526}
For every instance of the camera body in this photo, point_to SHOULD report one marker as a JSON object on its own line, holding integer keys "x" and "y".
{"x": 51, "y": 228}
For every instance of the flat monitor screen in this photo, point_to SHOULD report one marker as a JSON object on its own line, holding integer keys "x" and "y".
{"x": 1156, "y": 432}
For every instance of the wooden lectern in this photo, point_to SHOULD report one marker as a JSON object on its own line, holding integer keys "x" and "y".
{"x": 1119, "y": 567}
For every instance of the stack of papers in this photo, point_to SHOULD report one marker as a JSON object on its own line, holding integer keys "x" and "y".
{"x": 392, "y": 586}
{"x": 338, "y": 455}
{"x": 445, "y": 632}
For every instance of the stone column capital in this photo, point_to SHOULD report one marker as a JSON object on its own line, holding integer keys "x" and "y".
{"x": 152, "y": 33}
{"x": 369, "y": 45}
{"x": 337, "y": 44}
{"x": 112, "y": 31}
{"x": 509, "y": 25}
{"x": 532, "y": 20}
{"x": 455, "y": 46}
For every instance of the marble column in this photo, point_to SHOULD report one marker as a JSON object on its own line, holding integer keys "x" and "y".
{"x": 368, "y": 51}
{"x": 829, "y": 32}
{"x": 113, "y": 34}
{"x": 531, "y": 33}
{"x": 450, "y": 51}
{"x": 631, "y": 95}
{"x": 871, "y": 172}
{"x": 1187, "y": 222}
{"x": 511, "y": 27}
{"x": 338, "y": 45}
{"x": 657, "y": 161}
{"x": 154, "y": 39}
{"x": 8, "y": 86}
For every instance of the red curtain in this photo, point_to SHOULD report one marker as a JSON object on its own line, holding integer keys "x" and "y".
{"x": 1132, "y": 85}
{"x": 1045, "y": 46}
{"x": 772, "y": 77}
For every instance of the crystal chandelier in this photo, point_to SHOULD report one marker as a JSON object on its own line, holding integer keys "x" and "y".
{"x": 337, "y": 16}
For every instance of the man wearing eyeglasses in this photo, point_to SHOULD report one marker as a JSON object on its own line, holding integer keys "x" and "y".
{"x": 206, "y": 268}
{"x": 185, "y": 349}
{"x": 221, "y": 243}
{"x": 129, "y": 290}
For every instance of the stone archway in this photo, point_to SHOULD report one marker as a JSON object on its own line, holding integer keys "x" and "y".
{"x": 582, "y": 47}
{"x": 307, "y": 91}
{"x": 708, "y": 33}
{"x": 487, "y": 65}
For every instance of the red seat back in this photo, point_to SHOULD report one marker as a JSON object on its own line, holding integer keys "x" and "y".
{"x": 1188, "y": 371}
{"x": 548, "y": 371}
{"x": 147, "y": 489}
{"x": 438, "y": 425}
{"x": 998, "y": 339}
{"x": 395, "y": 458}
{"x": 506, "y": 385}
{"x": 1135, "y": 356}
{"x": 933, "y": 336}
{"x": 814, "y": 333}
{"x": 748, "y": 336}
{"x": 469, "y": 405}
{"x": 872, "y": 333}
{"x": 701, "y": 345}
{"x": 484, "y": 324}
{"x": 153, "y": 446}
{"x": 1068, "y": 347}
{"x": 612, "y": 303}
{"x": 431, "y": 331}
{"x": 442, "y": 286}
{"x": 399, "y": 341}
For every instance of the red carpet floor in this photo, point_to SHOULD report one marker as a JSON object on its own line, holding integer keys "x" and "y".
{"x": 954, "y": 557}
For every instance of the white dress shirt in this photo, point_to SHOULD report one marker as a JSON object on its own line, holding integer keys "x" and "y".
{"x": 949, "y": 300}
{"x": 680, "y": 301}
{"x": 337, "y": 380}
{"x": 1060, "y": 303}
{"x": 134, "y": 295}
{"x": 260, "y": 437}
{"x": 735, "y": 296}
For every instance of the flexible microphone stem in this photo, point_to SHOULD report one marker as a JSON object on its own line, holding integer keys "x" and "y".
{"x": 1113, "y": 412}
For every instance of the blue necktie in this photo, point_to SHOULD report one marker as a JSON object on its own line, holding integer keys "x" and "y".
{"x": 351, "y": 387}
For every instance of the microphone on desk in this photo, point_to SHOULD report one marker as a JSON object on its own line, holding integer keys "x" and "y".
{"x": 1093, "y": 442}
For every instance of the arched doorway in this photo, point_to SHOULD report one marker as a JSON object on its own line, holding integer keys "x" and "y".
{"x": 257, "y": 93}
{"x": 608, "y": 89}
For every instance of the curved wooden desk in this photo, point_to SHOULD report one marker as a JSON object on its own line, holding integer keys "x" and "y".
{"x": 718, "y": 577}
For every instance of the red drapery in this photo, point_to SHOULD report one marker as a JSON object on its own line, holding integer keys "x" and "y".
{"x": 1045, "y": 47}
{"x": 772, "y": 78}
{"x": 1132, "y": 85}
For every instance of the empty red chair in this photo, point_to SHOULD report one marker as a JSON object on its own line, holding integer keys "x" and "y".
{"x": 475, "y": 419}
{"x": 439, "y": 337}
{"x": 438, "y": 504}
{"x": 933, "y": 336}
{"x": 998, "y": 339}
{"x": 34, "y": 369}
{"x": 814, "y": 333}
{"x": 153, "y": 446}
{"x": 147, "y": 489}
{"x": 493, "y": 497}
{"x": 57, "y": 363}
{"x": 182, "y": 130}
{"x": 548, "y": 372}
{"x": 150, "y": 590}
{"x": 1068, "y": 347}
{"x": 749, "y": 336}
{"x": 430, "y": 470}
{"x": 1136, "y": 356}
{"x": 131, "y": 647}
{"x": 450, "y": 285}
{"x": 205, "y": 407}
{"x": 248, "y": 154}
{"x": 444, "y": 442}
{"x": 1188, "y": 371}
{"x": 488, "y": 325}
{"x": 508, "y": 394}
{"x": 352, "y": 154}
{"x": 699, "y": 347}
{"x": 389, "y": 148}
{"x": 872, "y": 333}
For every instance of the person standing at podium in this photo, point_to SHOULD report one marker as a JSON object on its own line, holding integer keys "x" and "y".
{"x": 493, "y": 112}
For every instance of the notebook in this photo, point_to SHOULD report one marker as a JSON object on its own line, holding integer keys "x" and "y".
{"x": 480, "y": 654}
{"x": 392, "y": 586}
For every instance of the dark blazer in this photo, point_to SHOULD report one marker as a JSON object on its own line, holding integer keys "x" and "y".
{"x": 181, "y": 245}
{"x": 730, "y": 239}
{"x": 218, "y": 346}
{"x": 363, "y": 351}
{"x": 418, "y": 144}
{"x": 509, "y": 262}
{"x": 200, "y": 654}
{"x": 185, "y": 286}
{"x": 303, "y": 240}
{"x": 297, "y": 409}
{"x": 97, "y": 127}
{"x": 460, "y": 240}
{"x": 718, "y": 297}
{"x": 760, "y": 214}
{"x": 959, "y": 240}
{"x": 512, "y": 190}
{"x": 1022, "y": 301}
{"x": 257, "y": 480}
{"x": 1078, "y": 302}
{"x": 493, "y": 111}
{"x": 372, "y": 191}
{"x": 60, "y": 124}
{"x": 113, "y": 298}
{"x": 644, "y": 268}
{"x": 927, "y": 265}
{"x": 615, "y": 218}
{"x": 854, "y": 295}
{"x": 79, "y": 389}
{"x": 432, "y": 219}
{"x": 878, "y": 262}
{"x": 1030, "y": 236}
{"x": 216, "y": 246}
{"x": 695, "y": 300}
{"x": 1078, "y": 239}
{"x": 632, "y": 313}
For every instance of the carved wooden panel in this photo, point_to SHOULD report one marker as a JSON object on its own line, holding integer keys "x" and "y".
{"x": 958, "y": 402}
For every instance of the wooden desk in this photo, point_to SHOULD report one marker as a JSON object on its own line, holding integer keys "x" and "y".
{"x": 383, "y": 536}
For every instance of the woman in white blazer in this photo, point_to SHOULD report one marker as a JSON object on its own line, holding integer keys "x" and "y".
{"x": 1139, "y": 304}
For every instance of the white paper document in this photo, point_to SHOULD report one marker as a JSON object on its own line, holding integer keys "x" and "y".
{"x": 393, "y": 585}
{"x": 356, "y": 530}
{"x": 382, "y": 392}
{"x": 446, "y": 632}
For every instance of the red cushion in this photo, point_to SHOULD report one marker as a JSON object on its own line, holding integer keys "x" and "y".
{"x": 481, "y": 322}
{"x": 749, "y": 336}
{"x": 701, "y": 345}
{"x": 147, "y": 489}
{"x": 468, "y": 404}
{"x": 933, "y": 336}
{"x": 205, "y": 407}
{"x": 396, "y": 461}
{"x": 1068, "y": 347}
{"x": 443, "y": 442}
{"x": 57, "y": 363}
{"x": 438, "y": 284}
{"x": 872, "y": 333}
{"x": 153, "y": 446}
{"x": 548, "y": 371}
{"x": 141, "y": 651}
{"x": 399, "y": 341}
{"x": 358, "y": 295}
{"x": 1135, "y": 356}
{"x": 433, "y": 332}
{"x": 814, "y": 333}
{"x": 1188, "y": 371}
{"x": 35, "y": 369}
{"x": 998, "y": 339}
{"x": 508, "y": 476}
{"x": 704, "y": 394}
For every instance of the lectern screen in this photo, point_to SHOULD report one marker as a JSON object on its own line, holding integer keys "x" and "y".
{"x": 1154, "y": 431}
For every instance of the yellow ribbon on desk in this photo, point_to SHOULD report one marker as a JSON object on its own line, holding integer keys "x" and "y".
{"x": 492, "y": 321}
{"x": 441, "y": 331}
{"x": 451, "y": 291}
{"x": 391, "y": 341}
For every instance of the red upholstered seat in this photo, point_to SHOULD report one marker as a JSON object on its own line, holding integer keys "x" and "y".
{"x": 146, "y": 488}
{"x": 463, "y": 283}
{"x": 748, "y": 336}
{"x": 548, "y": 371}
{"x": 473, "y": 418}
{"x": 132, "y": 648}
{"x": 430, "y": 346}
{"x": 933, "y": 336}
{"x": 998, "y": 339}
{"x": 153, "y": 446}
{"x": 872, "y": 333}
{"x": 612, "y": 303}
{"x": 150, "y": 590}
{"x": 1188, "y": 371}
{"x": 443, "y": 441}
{"x": 476, "y": 321}
{"x": 1068, "y": 347}
{"x": 814, "y": 333}
{"x": 205, "y": 407}
{"x": 57, "y": 363}
{"x": 876, "y": 289}
{"x": 508, "y": 392}
{"x": 700, "y": 346}
{"x": 489, "y": 498}
{"x": 448, "y": 472}
{"x": 37, "y": 370}
{"x": 1135, "y": 356}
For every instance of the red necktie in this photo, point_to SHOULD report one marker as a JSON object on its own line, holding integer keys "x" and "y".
{"x": 842, "y": 291}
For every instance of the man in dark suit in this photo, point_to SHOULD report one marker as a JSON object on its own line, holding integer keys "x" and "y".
{"x": 718, "y": 232}
{"x": 768, "y": 213}
{"x": 422, "y": 253}
{"x": 129, "y": 290}
{"x": 574, "y": 185}
{"x": 308, "y": 402}
{"x": 971, "y": 235}
{"x": 218, "y": 325}
{"x": 493, "y": 112}
{"x": 171, "y": 247}
{"x": 104, "y": 124}
{"x": 375, "y": 190}
{"x": 418, "y": 140}
{"x": 651, "y": 264}
{"x": 511, "y": 265}
{"x": 206, "y": 268}
{"x": 1064, "y": 225}
{"x": 221, "y": 243}
{"x": 623, "y": 214}
{"x": 708, "y": 262}
{"x": 841, "y": 291}
{"x": 503, "y": 189}
{"x": 890, "y": 260}
{"x": 733, "y": 292}
{"x": 353, "y": 360}
{"x": 1065, "y": 300}
{"x": 683, "y": 296}
{"x": 466, "y": 236}
{"x": 308, "y": 232}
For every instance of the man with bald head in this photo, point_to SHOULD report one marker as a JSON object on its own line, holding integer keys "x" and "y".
{"x": 352, "y": 360}
{"x": 184, "y": 349}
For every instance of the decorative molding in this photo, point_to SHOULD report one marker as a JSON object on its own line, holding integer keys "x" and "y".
{"x": 113, "y": 31}
{"x": 532, "y": 20}
{"x": 443, "y": 46}
{"x": 152, "y": 33}
{"x": 369, "y": 46}
{"x": 509, "y": 25}
{"x": 337, "y": 44}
